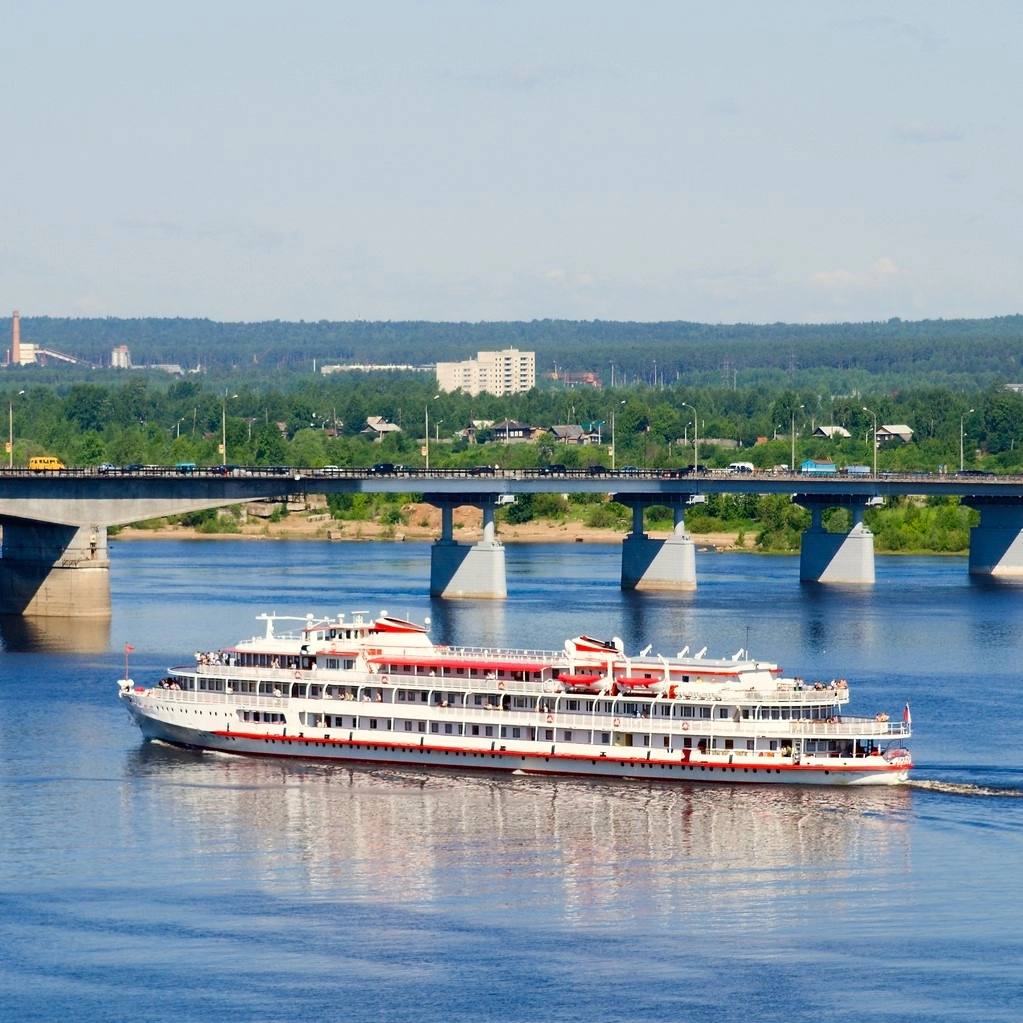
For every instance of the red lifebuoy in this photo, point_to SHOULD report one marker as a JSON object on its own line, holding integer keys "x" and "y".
{"x": 298, "y": 674}
{"x": 383, "y": 679}
{"x": 672, "y": 692}
{"x": 685, "y": 726}
{"x": 500, "y": 686}
{"x": 618, "y": 721}
{"x": 550, "y": 719}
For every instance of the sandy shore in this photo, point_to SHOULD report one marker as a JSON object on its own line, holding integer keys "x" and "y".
{"x": 421, "y": 522}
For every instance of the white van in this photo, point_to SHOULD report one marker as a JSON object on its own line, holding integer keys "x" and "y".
{"x": 742, "y": 467}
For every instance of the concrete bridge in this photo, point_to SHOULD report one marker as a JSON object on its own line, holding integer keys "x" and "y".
{"x": 54, "y": 558}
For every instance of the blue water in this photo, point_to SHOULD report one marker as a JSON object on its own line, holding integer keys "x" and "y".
{"x": 139, "y": 882}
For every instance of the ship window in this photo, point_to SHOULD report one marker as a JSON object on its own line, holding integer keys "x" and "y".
{"x": 723, "y": 712}
{"x": 665, "y": 740}
{"x": 408, "y": 726}
{"x": 372, "y": 722}
{"x": 687, "y": 743}
{"x": 568, "y": 735}
{"x": 573, "y": 704}
{"x": 516, "y": 733}
{"x": 447, "y": 728}
{"x": 749, "y": 744}
{"x": 704, "y": 712}
{"x": 434, "y": 727}
{"x": 605, "y": 738}
{"x": 478, "y": 700}
{"x": 549, "y": 733}
{"x": 460, "y": 671}
{"x": 488, "y": 730}
{"x": 475, "y": 729}
{"x": 688, "y": 711}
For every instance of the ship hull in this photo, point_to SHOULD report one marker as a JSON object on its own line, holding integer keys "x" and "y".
{"x": 357, "y": 747}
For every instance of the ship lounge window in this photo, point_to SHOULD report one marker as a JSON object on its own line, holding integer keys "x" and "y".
{"x": 687, "y": 710}
{"x": 723, "y": 712}
{"x": 704, "y": 712}
{"x": 573, "y": 704}
{"x": 631, "y": 709}
{"x": 519, "y": 703}
{"x": 478, "y": 700}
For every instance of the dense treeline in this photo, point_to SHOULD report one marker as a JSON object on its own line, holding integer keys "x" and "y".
{"x": 825, "y": 358}
{"x": 317, "y": 421}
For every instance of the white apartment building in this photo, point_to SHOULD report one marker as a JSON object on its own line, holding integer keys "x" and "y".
{"x": 506, "y": 372}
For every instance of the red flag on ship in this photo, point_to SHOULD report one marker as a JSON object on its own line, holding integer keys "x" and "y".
{"x": 906, "y": 716}
{"x": 128, "y": 649}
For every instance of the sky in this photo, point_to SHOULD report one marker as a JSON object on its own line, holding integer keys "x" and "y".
{"x": 726, "y": 162}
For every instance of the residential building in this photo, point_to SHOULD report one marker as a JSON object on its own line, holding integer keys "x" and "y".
{"x": 506, "y": 372}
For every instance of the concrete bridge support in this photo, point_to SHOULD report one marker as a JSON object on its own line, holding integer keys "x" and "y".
{"x": 649, "y": 564}
{"x": 53, "y": 570}
{"x": 461, "y": 570}
{"x": 996, "y": 545}
{"x": 835, "y": 557}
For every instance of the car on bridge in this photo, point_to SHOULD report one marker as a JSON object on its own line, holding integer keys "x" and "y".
{"x": 107, "y": 469}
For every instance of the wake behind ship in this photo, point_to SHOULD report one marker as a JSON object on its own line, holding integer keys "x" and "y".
{"x": 379, "y": 690}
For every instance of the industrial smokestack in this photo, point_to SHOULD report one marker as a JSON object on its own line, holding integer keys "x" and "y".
{"x": 16, "y": 340}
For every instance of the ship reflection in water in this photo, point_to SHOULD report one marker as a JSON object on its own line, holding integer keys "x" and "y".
{"x": 588, "y": 851}
{"x": 53, "y": 634}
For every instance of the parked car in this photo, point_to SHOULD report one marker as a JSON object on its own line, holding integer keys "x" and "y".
{"x": 482, "y": 470}
{"x": 597, "y": 470}
{"x": 382, "y": 469}
{"x": 629, "y": 470}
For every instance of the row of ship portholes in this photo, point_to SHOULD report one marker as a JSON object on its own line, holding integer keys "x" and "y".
{"x": 495, "y": 756}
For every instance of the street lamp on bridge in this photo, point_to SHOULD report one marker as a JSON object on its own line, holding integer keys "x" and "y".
{"x": 10, "y": 432}
{"x": 962, "y": 418}
{"x": 874, "y": 414}
{"x": 696, "y": 435}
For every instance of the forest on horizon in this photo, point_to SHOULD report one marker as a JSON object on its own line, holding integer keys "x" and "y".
{"x": 843, "y": 358}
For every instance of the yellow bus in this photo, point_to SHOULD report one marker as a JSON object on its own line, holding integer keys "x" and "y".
{"x": 45, "y": 463}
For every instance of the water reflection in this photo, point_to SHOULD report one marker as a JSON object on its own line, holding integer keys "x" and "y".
{"x": 61, "y": 635}
{"x": 589, "y": 850}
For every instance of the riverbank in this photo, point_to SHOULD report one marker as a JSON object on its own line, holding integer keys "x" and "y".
{"x": 421, "y": 522}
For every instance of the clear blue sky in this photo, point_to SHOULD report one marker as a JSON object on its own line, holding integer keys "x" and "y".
{"x": 720, "y": 162}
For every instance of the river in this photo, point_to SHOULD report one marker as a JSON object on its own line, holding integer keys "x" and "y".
{"x": 146, "y": 883}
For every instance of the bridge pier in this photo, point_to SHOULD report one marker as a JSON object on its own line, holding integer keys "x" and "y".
{"x": 835, "y": 557}
{"x": 466, "y": 571}
{"x": 53, "y": 570}
{"x": 996, "y": 545}
{"x": 649, "y": 564}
